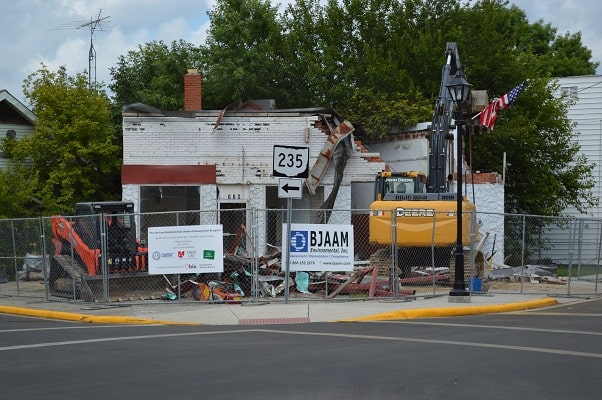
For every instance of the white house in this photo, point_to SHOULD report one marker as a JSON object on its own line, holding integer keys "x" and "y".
{"x": 16, "y": 120}
{"x": 223, "y": 160}
{"x": 582, "y": 243}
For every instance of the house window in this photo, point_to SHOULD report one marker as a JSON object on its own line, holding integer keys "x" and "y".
{"x": 11, "y": 135}
{"x": 571, "y": 92}
{"x": 169, "y": 198}
{"x": 168, "y": 206}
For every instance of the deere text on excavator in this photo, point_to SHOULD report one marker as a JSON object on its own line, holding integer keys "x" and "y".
{"x": 422, "y": 207}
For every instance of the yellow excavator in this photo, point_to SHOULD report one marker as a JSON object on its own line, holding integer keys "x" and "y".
{"x": 424, "y": 208}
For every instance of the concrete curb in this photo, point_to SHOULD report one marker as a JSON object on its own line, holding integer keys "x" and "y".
{"x": 454, "y": 311}
{"x": 385, "y": 316}
{"x": 99, "y": 319}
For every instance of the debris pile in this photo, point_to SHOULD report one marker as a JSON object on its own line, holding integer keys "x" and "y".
{"x": 33, "y": 268}
{"x": 236, "y": 282}
{"x": 529, "y": 273}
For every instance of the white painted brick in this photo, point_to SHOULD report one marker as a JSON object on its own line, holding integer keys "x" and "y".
{"x": 238, "y": 147}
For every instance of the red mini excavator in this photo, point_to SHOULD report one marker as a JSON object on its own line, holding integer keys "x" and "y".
{"x": 78, "y": 259}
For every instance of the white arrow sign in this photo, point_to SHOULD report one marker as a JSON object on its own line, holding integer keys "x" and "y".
{"x": 290, "y": 188}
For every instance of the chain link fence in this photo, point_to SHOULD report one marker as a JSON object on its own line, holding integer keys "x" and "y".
{"x": 104, "y": 258}
{"x": 550, "y": 255}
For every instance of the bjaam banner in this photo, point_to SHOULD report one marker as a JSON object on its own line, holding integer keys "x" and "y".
{"x": 319, "y": 247}
{"x": 190, "y": 249}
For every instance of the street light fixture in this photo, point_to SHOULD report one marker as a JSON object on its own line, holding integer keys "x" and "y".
{"x": 459, "y": 91}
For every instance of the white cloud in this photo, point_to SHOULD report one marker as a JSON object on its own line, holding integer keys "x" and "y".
{"x": 51, "y": 31}
{"x": 570, "y": 16}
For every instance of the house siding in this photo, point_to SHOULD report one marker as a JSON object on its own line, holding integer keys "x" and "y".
{"x": 15, "y": 116}
{"x": 21, "y": 131}
{"x": 581, "y": 244}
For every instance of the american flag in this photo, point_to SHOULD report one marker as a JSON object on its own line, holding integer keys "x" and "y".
{"x": 489, "y": 115}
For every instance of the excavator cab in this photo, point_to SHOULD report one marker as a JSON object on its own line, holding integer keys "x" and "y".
{"x": 393, "y": 185}
{"x": 119, "y": 225}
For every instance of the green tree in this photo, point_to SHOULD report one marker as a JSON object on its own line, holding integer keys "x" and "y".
{"x": 18, "y": 197}
{"x": 303, "y": 52}
{"x": 349, "y": 55}
{"x": 547, "y": 173}
{"x": 154, "y": 75}
{"x": 566, "y": 56}
{"x": 242, "y": 58}
{"x": 504, "y": 48}
{"x": 384, "y": 113}
{"x": 72, "y": 154}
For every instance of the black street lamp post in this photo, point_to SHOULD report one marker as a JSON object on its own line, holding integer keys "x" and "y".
{"x": 459, "y": 90}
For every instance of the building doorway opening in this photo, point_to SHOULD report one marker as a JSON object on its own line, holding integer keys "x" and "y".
{"x": 233, "y": 218}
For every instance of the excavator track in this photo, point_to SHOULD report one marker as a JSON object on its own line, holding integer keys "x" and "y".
{"x": 68, "y": 279}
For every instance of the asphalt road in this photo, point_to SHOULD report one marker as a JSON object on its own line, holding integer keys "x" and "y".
{"x": 551, "y": 354}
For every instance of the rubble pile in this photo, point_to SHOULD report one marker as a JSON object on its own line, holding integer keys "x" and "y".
{"x": 236, "y": 282}
{"x": 528, "y": 273}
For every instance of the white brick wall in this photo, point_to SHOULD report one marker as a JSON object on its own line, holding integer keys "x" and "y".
{"x": 489, "y": 200}
{"x": 241, "y": 147}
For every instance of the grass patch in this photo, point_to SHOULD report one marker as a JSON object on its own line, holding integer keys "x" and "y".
{"x": 577, "y": 270}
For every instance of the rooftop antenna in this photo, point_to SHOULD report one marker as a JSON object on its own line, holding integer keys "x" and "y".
{"x": 93, "y": 25}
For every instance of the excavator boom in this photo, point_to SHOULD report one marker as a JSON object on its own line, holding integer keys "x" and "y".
{"x": 421, "y": 208}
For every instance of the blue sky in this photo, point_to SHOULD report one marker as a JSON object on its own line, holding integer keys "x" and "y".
{"x": 46, "y": 31}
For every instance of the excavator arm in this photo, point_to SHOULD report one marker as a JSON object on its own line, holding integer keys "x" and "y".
{"x": 440, "y": 138}
{"x": 65, "y": 238}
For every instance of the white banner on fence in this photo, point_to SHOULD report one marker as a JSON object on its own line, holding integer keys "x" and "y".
{"x": 185, "y": 249}
{"x": 319, "y": 247}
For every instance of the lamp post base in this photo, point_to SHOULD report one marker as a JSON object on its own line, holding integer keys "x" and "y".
{"x": 458, "y": 296}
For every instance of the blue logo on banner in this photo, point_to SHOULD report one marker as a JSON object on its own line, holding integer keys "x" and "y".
{"x": 299, "y": 241}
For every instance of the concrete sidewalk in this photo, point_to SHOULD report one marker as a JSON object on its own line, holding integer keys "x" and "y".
{"x": 254, "y": 313}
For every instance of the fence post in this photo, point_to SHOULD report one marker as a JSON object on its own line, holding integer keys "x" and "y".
{"x": 254, "y": 256}
{"x": 15, "y": 266}
{"x": 599, "y": 243}
{"x": 433, "y": 281}
{"x": 394, "y": 253}
{"x": 571, "y": 251}
{"x": 579, "y": 247}
{"x": 45, "y": 270}
{"x": 522, "y": 256}
{"x": 104, "y": 250}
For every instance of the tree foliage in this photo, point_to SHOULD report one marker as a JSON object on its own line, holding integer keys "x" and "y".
{"x": 73, "y": 153}
{"x": 154, "y": 74}
{"x": 546, "y": 172}
{"x": 386, "y": 113}
{"x": 242, "y": 57}
{"x": 18, "y": 197}
{"x": 566, "y": 56}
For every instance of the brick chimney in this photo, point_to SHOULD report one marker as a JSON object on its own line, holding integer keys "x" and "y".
{"x": 192, "y": 90}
